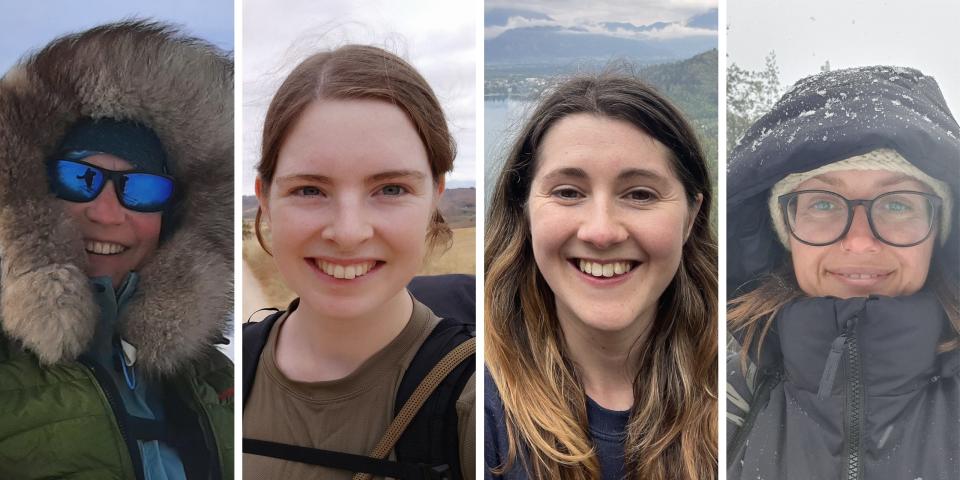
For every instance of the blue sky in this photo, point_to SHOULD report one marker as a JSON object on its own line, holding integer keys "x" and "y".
{"x": 28, "y": 25}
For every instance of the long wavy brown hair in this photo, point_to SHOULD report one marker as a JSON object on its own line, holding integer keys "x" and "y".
{"x": 672, "y": 432}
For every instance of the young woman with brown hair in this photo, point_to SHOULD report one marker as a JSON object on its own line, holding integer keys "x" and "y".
{"x": 601, "y": 289}
{"x": 355, "y": 149}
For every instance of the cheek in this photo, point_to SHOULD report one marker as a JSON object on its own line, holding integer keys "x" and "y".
{"x": 806, "y": 266}
{"x": 549, "y": 229}
{"x": 147, "y": 227}
{"x": 915, "y": 262}
{"x": 660, "y": 234}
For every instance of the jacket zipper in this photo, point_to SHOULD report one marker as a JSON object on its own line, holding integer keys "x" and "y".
{"x": 112, "y": 396}
{"x": 853, "y": 415}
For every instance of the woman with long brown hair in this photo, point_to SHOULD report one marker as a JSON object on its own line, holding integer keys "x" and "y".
{"x": 843, "y": 269}
{"x": 600, "y": 292}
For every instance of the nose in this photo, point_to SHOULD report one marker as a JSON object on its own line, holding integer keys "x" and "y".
{"x": 106, "y": 209}
{"x": 603, "y": 227}
{"x": 350, "y": 226}
{"x": 860, "y": 238}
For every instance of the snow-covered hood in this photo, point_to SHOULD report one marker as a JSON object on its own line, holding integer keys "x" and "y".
{"x": 823, "y": 119}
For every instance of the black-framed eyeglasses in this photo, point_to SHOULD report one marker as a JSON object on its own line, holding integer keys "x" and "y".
{"x": 79, "y": 181}
{"x": 822, "y": 217}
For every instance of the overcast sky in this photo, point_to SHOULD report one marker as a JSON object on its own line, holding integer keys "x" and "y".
{"x": 28, "y": 25}
{"x": 922, "y": 34}
{"x": 640, "y": 12}
{"x": 436, "y": 36}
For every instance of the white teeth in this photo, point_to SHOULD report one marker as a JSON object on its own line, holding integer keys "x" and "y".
{"x": 345, "y": 272}
{"x": 103, "y": 248}
{"x": 604, "y": 269}
{"x": 859, "y": 276}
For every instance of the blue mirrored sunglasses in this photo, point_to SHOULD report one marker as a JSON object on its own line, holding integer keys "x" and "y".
{"x": 78, "y": 181}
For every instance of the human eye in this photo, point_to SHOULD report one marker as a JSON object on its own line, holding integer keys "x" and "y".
{"x": 307, "y": 191}
{"x": 393, "y": 190}
{"x": 823, "y": 205}
{"x": 820, "y": 203}
{"x": 642, "y": 195}
{"x": 566, "y": 193}
{"x": 903, "y": 205}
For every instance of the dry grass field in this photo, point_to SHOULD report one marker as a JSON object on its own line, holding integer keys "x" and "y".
{"x": 458, "y": 259}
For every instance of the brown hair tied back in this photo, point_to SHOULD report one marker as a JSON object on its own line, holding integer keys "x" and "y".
{"x": 360, "y": 72}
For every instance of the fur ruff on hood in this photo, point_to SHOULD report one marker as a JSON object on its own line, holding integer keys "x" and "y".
{"x": 180, "y": 87}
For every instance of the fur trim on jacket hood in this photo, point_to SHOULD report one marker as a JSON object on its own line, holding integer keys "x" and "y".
{"x": 180, "y": 87}
{"x": 824, "y": 119}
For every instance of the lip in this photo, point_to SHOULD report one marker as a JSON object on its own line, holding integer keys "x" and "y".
{"x": 859, "y": 276}
{"x": 314, "y": 262}
{"x": 107, "y": 244}
{"x": 573, "y": 262}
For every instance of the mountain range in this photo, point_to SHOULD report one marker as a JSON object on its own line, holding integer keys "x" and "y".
{"x": 537, "y": 38}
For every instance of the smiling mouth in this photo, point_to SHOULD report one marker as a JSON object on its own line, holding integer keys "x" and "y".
{"x": 103, "y": 248}
{"x": 345, "y": 272}
{"x": 860, "y": 277}
{"x": 604, "y": 269}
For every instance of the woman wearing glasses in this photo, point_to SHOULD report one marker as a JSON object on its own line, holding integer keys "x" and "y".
{"x": 843, "y": 267}
{"x": 115, "y": 234}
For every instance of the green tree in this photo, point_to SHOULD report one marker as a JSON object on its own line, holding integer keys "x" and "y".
{"x": 750, "y": 94}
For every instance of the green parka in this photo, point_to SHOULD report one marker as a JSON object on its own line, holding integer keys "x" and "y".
{"x": 59, "y": 416}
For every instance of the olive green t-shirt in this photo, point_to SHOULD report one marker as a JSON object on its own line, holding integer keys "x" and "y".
{"x": 345, "y": 415}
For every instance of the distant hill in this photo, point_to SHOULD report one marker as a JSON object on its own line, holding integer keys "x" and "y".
{"x": 559, "y": 45}
{"x": 458, "y": 206}
{"x": 706, "y": 20}
{"x": 691, "y": 83}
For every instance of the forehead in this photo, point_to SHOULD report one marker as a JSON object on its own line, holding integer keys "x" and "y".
{"x": 864, "y": 182}
{"x": 602, "y": 147}
{"x": 345, "y": 139}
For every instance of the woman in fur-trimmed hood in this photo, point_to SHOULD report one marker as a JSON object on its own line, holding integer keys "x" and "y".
{"x": 842, "y": 268}
{"x": 109, "y": 338}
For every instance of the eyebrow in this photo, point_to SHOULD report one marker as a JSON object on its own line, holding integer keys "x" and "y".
{"x": 837, "y": 182}
{"x": 634, "y": 173}
{"x": 304, "y": 177}
{"x": 628, "y": 174}
{"x": 391, "y": 174}
{"x": 377, "y": 177}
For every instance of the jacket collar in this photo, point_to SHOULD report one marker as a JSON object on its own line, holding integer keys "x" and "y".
{"x": 897, "y": 339}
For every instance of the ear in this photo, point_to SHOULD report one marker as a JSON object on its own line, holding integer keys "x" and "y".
{"x": 261, "y": 191}
{"x": 441, "y": 186}
{"x": 692, "y": 216}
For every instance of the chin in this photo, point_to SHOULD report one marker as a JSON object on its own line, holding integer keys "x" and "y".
{"x": 610, "y": 321}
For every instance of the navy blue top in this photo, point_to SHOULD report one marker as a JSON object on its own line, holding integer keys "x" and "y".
{"x": 607, "y": 430}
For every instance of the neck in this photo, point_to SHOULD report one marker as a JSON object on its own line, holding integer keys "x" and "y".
{"x": 313, "y": 346}
{"x": 607, "y": 360}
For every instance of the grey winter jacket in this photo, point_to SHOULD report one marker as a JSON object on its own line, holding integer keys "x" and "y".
{"x": 849, "y": 388}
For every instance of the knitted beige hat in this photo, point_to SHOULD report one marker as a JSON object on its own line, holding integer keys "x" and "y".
{"x": 881, "y": 159}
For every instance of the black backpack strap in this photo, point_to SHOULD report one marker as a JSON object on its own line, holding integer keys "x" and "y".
{"x": 767, "y": 379}
{"x": 255, "y": 336}
{"x": 432, "y": 437}
{"x": 341, "y": 461}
